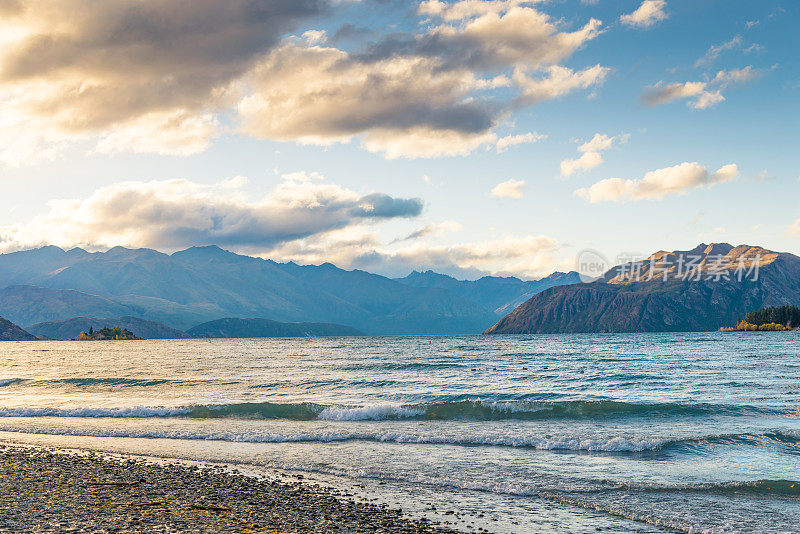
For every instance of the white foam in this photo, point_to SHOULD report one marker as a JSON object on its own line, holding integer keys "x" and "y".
{"x": 614, "y": 444}
{"x": 377, "y": 412}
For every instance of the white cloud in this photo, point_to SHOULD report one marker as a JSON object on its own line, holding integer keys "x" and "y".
{"x": 659, "y": 94}
{"x": 713, "y": 53}
{"x": 795, "y": 227}
{"x": 157, "y": 77}
{"x": 358, "y": 247}
{"x": 176, "y": 213}
{"x": 509, "y": 189}
{"x": 504, "y": 143}
{"x": 174, "y": 133}
{"x": 657, "y": 184}
{"x": 726, "y": 78}
{"x": 700, "y": 95}
{"x": 119, "y": 71}
{"x": 650, "y": 12}
{"x": 418, "y": 95}
{"x": 557, "y": 81}
{"x": 587, "y": 161}
{"x": 464, "y": 9}
{"x": 432, "y": 230}
{"x": 707, "y": 99}
{"x": 591, "y": 157}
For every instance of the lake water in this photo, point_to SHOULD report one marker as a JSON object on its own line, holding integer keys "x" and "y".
{"x": 556, "y": 433}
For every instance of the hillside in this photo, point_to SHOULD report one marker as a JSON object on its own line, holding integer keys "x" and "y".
{"x": 11, "y": 332}
{"x": 70, "y": 328}
{"x": 498, "y": 294}
{"x": 245, "y": 328}
{"x": 200, "y": 284}
{"x": 655, "y": 295}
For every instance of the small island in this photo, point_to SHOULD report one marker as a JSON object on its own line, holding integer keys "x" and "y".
{"x": 771, "y": 319}
{"x": 106, "y": 333}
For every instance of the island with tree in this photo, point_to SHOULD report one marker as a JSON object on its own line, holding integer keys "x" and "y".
{"x": 106, "y": 333}
{"x": 770, "y": 319}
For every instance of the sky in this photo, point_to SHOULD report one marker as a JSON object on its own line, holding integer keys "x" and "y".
{"x": 470, "y": 137}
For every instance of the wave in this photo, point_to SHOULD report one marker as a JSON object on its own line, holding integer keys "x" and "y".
{"x": 89, "y": 381}
{"x": 600, "y": 444}
{"x": 135, "y": 412}
{"x": 461, "y": 410}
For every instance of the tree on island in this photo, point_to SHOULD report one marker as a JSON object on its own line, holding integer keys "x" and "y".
{"x": 106, "y": 333}
{"x": 789, "y": 316}
{"x": 770, "y": 319}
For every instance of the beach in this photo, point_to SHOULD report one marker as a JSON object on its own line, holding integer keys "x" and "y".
{"x": 46, "y": 490}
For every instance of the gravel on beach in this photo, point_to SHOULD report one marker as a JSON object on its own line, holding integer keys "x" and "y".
{"x": 44, "y": 490}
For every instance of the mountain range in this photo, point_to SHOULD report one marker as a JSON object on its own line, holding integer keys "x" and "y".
{"x": 701, "y": 289}
{"x": 201, "y": 284}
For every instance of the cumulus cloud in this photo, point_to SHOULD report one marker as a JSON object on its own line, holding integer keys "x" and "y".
{"x": 509, "y": 189}
{"x": 504, "y": 143}
{"x": 657, "y": 184}
{"x": 160, "y": 76}
{"x": 361, "y": 248}
{"x": 89, "y": 69}
{"x": 587, "y": 161}
{"x": 422, "y": 94}
{"x": 699, "y": 95}
{"x": 650, "y": 12}
{"x": 176, "y": 213}
{"x": 659, "y": 94}
{"x": 726, "y": 78}
{"x": 556, "y": 81}
{"x": 591, "y": 157}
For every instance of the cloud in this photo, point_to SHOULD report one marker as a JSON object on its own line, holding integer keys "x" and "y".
{"x": 416, "y": 95}
{"x": 587, "y": 161}
{"x": 726, "y": 78}
{"x": 591, "y": 157}
{"x": 557, "y": 81}
{"x": 176, "y": 213}
{"x": 659, "y": 94}
{"x": 527, "y": 256}
{"x": 713, "y": 53}
{"x": 504, "y": 143}
{"x": 163, "y": 77}
{"x": 431, "y": 230}
{"x": 657, "y": 184}
{"x": 650, "y": 12}
{"x": 73, "y": 69}
{"x": 509, "y": 189}
{"x": 700, "y": 95}
{"x": 359, "y": 248}
{"x": 795, "y": 227}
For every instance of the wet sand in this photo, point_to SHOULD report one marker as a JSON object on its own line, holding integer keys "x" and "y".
{"x": 46, "y": 490}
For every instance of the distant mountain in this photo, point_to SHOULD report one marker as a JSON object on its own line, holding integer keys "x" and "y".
{"x": 11, "y": 332}
{"x": 498, "y": 294}
{"x": 695, "y": 290}
{"x": 244, "y": 328}
{"x": 70, "y": 328}
{"x": 207, "y": 283}
{"x": 29, "y": 305}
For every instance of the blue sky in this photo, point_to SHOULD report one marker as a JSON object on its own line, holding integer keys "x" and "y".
{"x": 369, "y": 133}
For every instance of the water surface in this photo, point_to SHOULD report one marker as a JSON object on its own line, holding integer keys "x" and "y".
{"x": 562, "y": 433}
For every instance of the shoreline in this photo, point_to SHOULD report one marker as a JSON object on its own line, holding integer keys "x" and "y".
{"x": 44, "y": 489}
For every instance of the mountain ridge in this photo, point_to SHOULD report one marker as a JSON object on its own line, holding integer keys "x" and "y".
{"x": 200, "y": 284}
{"x": 676, "y": 301}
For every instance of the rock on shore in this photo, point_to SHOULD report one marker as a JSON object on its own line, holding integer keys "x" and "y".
{"x": 42, "y": 490}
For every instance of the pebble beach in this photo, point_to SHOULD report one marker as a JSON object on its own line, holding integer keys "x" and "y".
{"x": 47, "y": 490}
